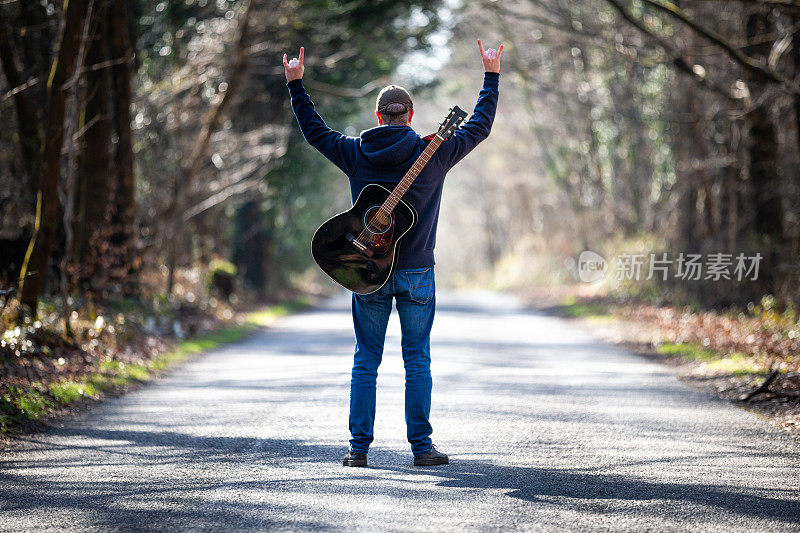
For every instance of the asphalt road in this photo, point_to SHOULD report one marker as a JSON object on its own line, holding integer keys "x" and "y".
{"x": 546, "y": 428}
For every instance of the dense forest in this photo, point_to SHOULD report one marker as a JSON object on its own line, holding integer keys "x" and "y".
{"x": 633, "y": 217}
{"x": 144, "y": 138}
{"x": 642, "y": 126}
{"x": 149, "y": 145}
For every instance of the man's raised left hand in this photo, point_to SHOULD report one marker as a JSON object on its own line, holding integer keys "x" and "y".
{"x": 490, "y": 57}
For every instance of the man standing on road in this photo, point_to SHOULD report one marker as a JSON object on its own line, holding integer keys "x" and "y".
{"x": 382, "y": 155}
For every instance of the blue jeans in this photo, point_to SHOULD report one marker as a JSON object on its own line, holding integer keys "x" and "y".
{"x": 414, "y": 291}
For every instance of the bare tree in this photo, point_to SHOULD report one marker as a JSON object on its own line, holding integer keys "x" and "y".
{"x": 37, "y": 257}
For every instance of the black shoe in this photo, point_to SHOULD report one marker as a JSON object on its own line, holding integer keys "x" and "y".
{"x": 354, "y": 459}
{"x": 433, "y": 457}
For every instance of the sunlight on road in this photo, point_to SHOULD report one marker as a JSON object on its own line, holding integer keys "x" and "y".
{"x": 545, "y": 427}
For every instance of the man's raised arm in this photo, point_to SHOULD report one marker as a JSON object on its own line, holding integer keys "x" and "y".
{"x": 479, "y": 125}
{"x": 330, "y": 143}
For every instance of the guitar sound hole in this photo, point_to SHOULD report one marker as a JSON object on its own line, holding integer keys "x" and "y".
{"x": 376, "y": 221}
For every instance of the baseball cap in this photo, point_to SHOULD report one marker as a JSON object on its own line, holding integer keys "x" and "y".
{"x": 393, "y": 100}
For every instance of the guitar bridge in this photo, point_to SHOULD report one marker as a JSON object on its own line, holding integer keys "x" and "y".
{"x": 358, "y": 246}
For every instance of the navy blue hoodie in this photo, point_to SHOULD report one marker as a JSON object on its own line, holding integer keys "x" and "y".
{"x": 384, "y": 154}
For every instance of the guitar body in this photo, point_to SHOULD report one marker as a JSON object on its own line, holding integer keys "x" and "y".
{"x": 348, "y": 263}
{"x": 358, "y": 248}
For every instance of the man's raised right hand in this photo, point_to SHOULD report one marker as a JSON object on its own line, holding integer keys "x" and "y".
{"x": 294, "y": 68}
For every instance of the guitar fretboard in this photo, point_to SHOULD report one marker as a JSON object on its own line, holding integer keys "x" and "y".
{"x": 401, "y": 188}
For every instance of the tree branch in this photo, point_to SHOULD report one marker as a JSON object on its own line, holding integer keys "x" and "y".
{"x": 678, "y": 61}
{"x": 345, "y": 92}
{"x": 744, "y": 60}
{"x": 763, "y": 388}
{"x": 32, "y": 82}
{"x": 771, "y": 3}
{"x": 250, "y": 171}
{"x": 214, "y": 117}
{"x": 27, "y": 117}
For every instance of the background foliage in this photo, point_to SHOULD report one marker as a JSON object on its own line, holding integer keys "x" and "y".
{"x": 623, "y": 125}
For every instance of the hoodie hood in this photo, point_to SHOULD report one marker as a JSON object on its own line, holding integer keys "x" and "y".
{"x": 388, "y": 146}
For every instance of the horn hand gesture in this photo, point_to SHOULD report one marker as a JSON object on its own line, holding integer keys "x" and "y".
{"x": 490, "y": 57}
{"x": 294, "y": 68}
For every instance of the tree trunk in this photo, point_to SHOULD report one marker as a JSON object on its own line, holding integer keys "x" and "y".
{"x": 93, "y": 181}
{"x": 27, "y": 117}
{"x": 764, "y": 176}
{"x": 210, "y": 124}
{"x": 795, "y": 248}
{"x": 689, "y": 147}
{"x": 731, "y": 189}
{"x": 36, "y": 46}
{"x": 122, "y": 49}
{"x": 764, "y": 167}
{"x": 250, "y": 241}
{"x": 47, "y": 203}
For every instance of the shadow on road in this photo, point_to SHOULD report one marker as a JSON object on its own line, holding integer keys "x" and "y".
{"x": 537, "y": 484}
{"x": 106, "y": 500}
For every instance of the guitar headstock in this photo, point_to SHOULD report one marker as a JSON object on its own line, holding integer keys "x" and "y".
{"x": 451, "y": 122}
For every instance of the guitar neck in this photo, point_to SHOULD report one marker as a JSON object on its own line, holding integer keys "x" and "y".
{"x": 401, "y": 188}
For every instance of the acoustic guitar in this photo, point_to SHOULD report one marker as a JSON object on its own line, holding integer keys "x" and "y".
{"x": 358, "y": 248}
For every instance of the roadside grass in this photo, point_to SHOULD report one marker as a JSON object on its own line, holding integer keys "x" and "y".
{"x": 736, "y": 363}
{"x": 687, "y": 350}
{"x": 748, "y": 355}
{"x": 594, "y": 311}
{"x": 21, "y": 405}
